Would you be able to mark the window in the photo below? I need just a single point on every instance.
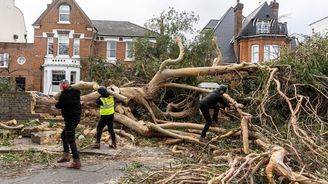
(271, 52)
(57, 76)
(64, 11)
(111, 49)
(50, 46)
(63, 44)
(129, 50)
(4, 60)
(73, 77)
(76, 51)
(255, 53)
(262, 27)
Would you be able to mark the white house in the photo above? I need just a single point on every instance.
(320, 26)
(12, 23)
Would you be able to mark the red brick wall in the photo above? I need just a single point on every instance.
(101, 50)
(30, 70)
(120, 52)
(245, 46)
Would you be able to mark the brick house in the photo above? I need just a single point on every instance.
(255, 38)
(64, 39)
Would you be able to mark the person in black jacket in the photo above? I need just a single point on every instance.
(212, 101)
(70, 104)
(107, 110)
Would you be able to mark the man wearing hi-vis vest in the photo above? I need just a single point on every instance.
(107, 109)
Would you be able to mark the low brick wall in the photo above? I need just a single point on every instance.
(16, 105)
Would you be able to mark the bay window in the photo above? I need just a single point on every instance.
(76, 47)
(57, 76)
(63, 44)
(255, 53)
(50, 46)
(271, 52)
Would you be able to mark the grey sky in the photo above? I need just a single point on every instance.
(300, 13)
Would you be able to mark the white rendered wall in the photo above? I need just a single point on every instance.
(12, 22)
(320, 27)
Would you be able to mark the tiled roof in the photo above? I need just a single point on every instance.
(121, 28)
(212, 24)
(224, 31)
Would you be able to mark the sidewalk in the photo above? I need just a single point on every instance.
(108, 171)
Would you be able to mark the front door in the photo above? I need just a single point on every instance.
(20, 83)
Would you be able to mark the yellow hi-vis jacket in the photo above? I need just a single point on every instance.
(108, 105)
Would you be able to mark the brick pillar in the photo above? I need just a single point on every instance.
(275, 7)
(238, 17)
(237, 26)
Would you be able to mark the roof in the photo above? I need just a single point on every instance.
(224, 31)
(251, 16)
(58, 2)
(212, 24)
(318, 21)
(263, 12)
(121, 28)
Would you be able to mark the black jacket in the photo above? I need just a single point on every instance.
(98, 101)
(212, 100)
(70, 104)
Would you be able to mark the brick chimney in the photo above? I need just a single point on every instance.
(275, 7)
(238, 17)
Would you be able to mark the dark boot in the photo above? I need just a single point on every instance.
(65, 158)
(113, 145)
(76, 164)
(96, 145)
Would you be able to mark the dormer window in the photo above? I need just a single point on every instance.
(263, 27)
(64, 11)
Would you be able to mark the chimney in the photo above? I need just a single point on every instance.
(238, 17)
(275, 7)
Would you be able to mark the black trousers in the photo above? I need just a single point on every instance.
(206, 113)
(106, 120)
(68, 138)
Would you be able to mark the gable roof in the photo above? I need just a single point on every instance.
(55, 3)
(224, 31)
(121, 28)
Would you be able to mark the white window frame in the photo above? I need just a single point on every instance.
(73, 79)
(66, 42)
(4, 60)
(56, 88)
(50, 43)
(76, 47)
(255, 53)
(263, 27)
(271, 52)
(109, 49)
(129, 51)
(63, 11)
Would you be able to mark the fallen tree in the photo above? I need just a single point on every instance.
(241, 168)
